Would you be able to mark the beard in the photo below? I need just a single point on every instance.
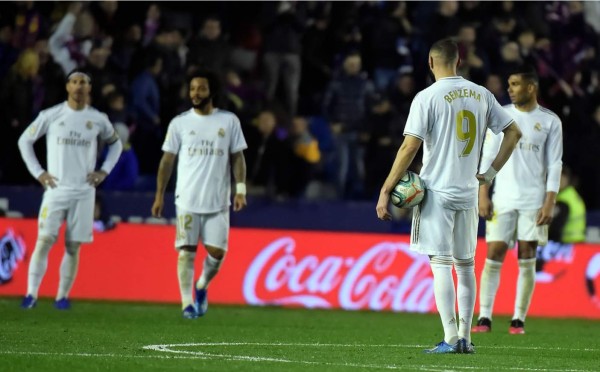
(202, 104)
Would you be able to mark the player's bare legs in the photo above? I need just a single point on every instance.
(490, 280)
(185, 274)
(525, 285)
(68, 272)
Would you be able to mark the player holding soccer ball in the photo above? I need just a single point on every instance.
(450, 117)
(209, 142)
(523, 199)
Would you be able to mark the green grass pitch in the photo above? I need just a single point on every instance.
(101, 336)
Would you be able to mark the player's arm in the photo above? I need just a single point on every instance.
(115, 148)
(553, 158)
(238, 164)
(409, 148)
(165, 170)
(491, 145)
(25, 143)
(512, 134)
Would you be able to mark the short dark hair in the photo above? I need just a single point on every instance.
(213, 83)
(527, 73)
(447, 49)
(78, 71)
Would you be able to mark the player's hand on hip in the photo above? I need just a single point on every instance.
(157, 207)
(47, 180)
(239, 202)
(486, 208)
(382, 207)
(95, 178)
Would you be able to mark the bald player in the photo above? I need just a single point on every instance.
(451, 117)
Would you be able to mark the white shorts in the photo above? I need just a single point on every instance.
(439, 231)
(509, 225)
(212, 228)
(78, 212)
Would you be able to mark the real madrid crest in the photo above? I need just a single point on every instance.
(89, 125)
(537, 127)
(221, 132)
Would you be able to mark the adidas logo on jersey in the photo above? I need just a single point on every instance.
(62, 124)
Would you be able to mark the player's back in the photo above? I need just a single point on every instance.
(456, 113)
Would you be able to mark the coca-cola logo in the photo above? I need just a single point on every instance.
(12, 251)
(386, 276)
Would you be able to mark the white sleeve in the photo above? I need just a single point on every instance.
(112, 157)
(497, 119)
(238, 142)
(417, 123)
(172, 140)
(34, 131)
(491, 146)
(553, 156)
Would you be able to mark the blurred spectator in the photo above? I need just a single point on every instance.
(116, 110)
(70, 43)
(444, 23)
(587, 164)
(18, 97)
(568, 222)
(304, 159)
(29, 25)
(510, 59)
(125, 173)
(151, 23)
(108, 18)
(317, 58)
(144, 102)
(102, 78)
(244, 99)
(210, 50)
(282, 48)
(401, 95)
(474, 61)
(494, 84)
(266, 157)
(8, 53)
(49, 86)
(389, 43)
(123, 51)
(346, 103)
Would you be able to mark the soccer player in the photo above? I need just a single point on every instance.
(209, 142)
(450, 117)
(523, 199)
(72, 129)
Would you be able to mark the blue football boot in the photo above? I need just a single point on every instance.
(28, 302)
(465, 347)
(62, 304)
(190, 312)
(201, 301)
(442, 348)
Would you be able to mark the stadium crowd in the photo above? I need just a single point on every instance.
(322, 88)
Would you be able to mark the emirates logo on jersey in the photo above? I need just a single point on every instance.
(537, 127)
(221, 132)
(89, 125)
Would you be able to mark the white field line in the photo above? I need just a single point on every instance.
(185, 354)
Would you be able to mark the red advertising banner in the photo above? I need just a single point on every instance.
(293, 268)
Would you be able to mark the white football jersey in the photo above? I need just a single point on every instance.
(451, 117)
(72, 142)
(204, 144)
(534, 167)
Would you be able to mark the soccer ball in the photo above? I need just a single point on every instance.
(408, 192)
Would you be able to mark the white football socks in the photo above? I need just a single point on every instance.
(525, 287)
(185, 273)
(445, 296)
(210, 268)
(68, 270)
(38, 264)
(490, 280)
(466, 294)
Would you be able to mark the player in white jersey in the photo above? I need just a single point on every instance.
(210, 143)
(450, 117)
(523, 199)
(72, 129)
